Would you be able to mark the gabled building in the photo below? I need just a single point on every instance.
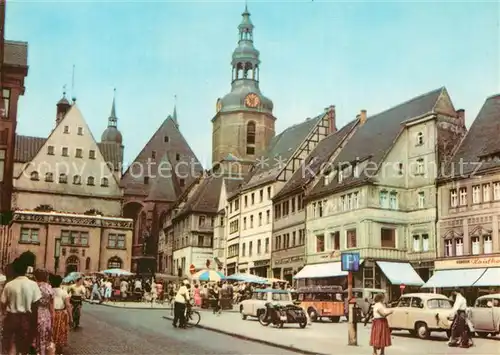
(161, 172)
(469, 207)
(378, 196)
(289, 227)
(250, 211)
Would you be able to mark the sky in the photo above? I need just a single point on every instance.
(354, 55)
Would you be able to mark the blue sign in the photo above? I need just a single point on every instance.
(350, 261)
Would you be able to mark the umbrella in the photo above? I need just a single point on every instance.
(117, 272)
(208, 275)
(247, 278)
(273, 280)
(72, 277)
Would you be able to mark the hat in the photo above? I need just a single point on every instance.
(185, 282)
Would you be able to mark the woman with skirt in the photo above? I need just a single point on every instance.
(45, 312)
(62, 315)
(381, 334)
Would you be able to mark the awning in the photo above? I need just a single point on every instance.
(331, 269)
(491, 277)
(454, 278)
(400, 273)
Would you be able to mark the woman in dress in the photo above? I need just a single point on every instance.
(62, 315)
(45, 312)
(381, 334)
(197, 296)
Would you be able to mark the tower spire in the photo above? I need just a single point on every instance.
(73, 98)
(245, 57)
(112, 120)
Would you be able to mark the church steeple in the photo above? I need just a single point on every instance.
(245, 57)
(113, 120)
(63, 107)
(112, 134)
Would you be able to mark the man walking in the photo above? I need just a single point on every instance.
(459, 329)
(181, 298)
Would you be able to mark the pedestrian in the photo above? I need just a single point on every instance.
(197, 296)
(19, 302)
(459, 329)
(45, 312)
(181, 298)
(95, 291)
(62, 315)
(381, 334)
(108, 290)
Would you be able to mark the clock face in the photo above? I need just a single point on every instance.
(252, 100)
(219, 105)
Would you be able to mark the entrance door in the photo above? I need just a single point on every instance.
(72, 264)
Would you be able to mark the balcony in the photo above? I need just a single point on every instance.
(421, 256)
(204, 227)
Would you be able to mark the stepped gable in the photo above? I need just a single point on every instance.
(205, 198)
(164, 187)
(281, 150)
(375, 138)
(169, 141)
(28, 146)
(318, 156)
(481, 145)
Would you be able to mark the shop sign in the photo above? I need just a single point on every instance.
(260, 263)
(293, 259)
(468, 263)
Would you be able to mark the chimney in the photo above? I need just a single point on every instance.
(461, 116)
(332, 125)
(362, 117)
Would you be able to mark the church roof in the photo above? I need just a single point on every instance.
(28, 146)
(166, 141)
(205, 198)
(164, 187)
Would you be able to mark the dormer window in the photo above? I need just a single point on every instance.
(66, 129)
(90, 181)
(34, 176)
(165, 139)
(420, 138)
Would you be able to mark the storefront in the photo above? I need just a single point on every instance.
(261, 267)
(475, 275)
(231, 269)
(285, 268)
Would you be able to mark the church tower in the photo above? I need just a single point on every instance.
(244, 123)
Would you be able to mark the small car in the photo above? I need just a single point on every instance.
(421, 314)
(256, 305)
(485, 315)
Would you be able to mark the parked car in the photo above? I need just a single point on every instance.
(421, 314)
(485, 315)
(256, 305)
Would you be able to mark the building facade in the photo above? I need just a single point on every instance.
(379, 197)
(469, 207)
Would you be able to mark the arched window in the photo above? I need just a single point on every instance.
(77, 179)
(87, 263)
(72, 264)
(49, 177)
(115, 263)
(104, 182)
(251, 137)
(34, 175)
(63, 178)
(90, 181)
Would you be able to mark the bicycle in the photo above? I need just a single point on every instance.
(193, 317)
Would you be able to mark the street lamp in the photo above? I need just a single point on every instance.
(57, 254)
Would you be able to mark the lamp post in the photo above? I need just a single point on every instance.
(57, 254)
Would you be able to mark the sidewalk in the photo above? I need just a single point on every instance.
(148, 305)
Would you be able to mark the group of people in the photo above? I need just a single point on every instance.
(37, 312)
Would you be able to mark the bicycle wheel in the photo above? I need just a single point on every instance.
(193, 319)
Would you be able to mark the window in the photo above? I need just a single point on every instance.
(269, 193)
(351, 238)
(286, 208)
(260, 218)
(302, 236)
(251, 221)
(453, 198)
(294, 238)
(177, 157)
(487, 244)
(400, 169)
(63, 178)
(388, 238)
(268, 216)
(404, 302)
(64, 151)
(292, 201)
(165, 139)
(91, 154)
(80, 131)
(320, 208)
(6, 103)
(233, 226)
(116, 241)
(243, 249)
(250, 248)
(277, 242)
(29, 235)
(459, 247)
(115, 263)
(416, 302)
(2, 163)
(486, 193)
(266, 248)
(393, 200)
(476, 194)
(77, 180)
(237, 204)
(420, 138)
(448, 247)
(421, 199)
(201, 221)
(251, 133)
(384, 202)
(90, 181)
(300, 202)
(244, 223)
(420, 166)
(355, 200)
(416, 243)
(34, 176)
(250, 150)
(50, 150)
(320, 243)
(343, 203)
(182, 182)
(476, 246)
(66, 129)
(74, 238)
(463, 196)
(496, 191)
(146, 180)
(261, 195)
(252, 198)
(425, 242)
(335, 240)
(259, 247)
(104, 182)
(78, 153)
(153, 154)
(439, 303)
(49, 177)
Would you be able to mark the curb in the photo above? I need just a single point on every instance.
(255, 340)
(121, 307)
